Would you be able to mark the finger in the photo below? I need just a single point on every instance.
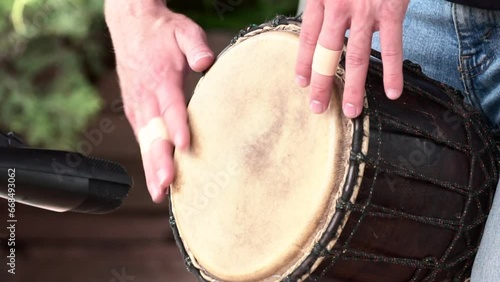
(163, 165)
(173, 109)
(325, 59)
(357, 60)
(311, 26)
(155, 148)
(391, 40)
(159, 155)
(192, 41)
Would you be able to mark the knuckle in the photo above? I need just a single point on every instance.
(341, 9)
(156, 70)
(392, 52)
(152, 78)
(356, 59)
(197, 48)
(319, 89)
(196, 29)
(392, 77)
(393, 11)
(148, 85)
(304, 64)
(187, 27)
(364, 34)
(140, 95)
(354, 94)
(308, 39)
(168, 105)
(328, 29)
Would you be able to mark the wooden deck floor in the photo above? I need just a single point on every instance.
(132, 244)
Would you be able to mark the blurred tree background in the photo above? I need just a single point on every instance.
(53, 52)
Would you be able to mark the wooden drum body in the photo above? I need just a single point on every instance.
(271, 192)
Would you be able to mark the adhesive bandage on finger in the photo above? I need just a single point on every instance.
(154, 130)
(325, 61)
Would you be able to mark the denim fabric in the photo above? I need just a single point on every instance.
(457, 45)
(460, 46)
(486, 266)
(302, 6)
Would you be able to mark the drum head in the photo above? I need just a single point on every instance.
(259, 184)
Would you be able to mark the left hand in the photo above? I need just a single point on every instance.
(155, 48)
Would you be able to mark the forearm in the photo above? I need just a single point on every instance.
(119, 10)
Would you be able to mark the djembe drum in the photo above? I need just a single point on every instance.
(271, 192)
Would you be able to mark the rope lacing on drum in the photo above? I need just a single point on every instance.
(279, 20)
(359, 157)
(462, 227)
(344, 205)
(188, 262)
(171, 221)
(320, 250)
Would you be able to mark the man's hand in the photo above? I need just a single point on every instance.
(325, 22)
(154, 50)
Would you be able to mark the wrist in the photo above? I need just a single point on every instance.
(116, 10)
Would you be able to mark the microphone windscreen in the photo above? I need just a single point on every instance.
(109, 186)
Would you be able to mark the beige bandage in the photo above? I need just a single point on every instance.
(325, 61)
(154, 130)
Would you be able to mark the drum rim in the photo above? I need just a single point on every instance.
(348, 188)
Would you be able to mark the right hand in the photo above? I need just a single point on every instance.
(154, 49)
(325, 23)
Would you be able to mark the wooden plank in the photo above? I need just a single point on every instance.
(151, 262)
(78, 247)
(35, 225)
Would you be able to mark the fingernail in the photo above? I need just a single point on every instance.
(392, 94)
(178, 141)
(162, 177)
(153, 189)
(317, 107)
(301, 81)
(350, 110)
(202, 55)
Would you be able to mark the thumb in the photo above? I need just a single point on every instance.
(192, 41)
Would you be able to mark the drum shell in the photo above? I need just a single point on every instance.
(428, 183)
(427, 188)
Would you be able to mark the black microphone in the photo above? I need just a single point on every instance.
(58, 180)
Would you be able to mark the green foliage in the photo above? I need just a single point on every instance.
(51, 51)
(47, 57)
(233, 14)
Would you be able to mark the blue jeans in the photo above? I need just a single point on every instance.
(460, 46)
